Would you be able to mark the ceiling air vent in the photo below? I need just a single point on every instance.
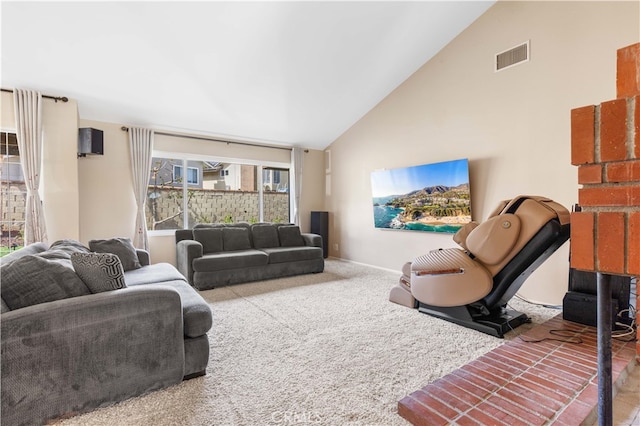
(515, 55)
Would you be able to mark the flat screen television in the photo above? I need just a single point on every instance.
(431, 197)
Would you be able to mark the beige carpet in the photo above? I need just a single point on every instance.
(322, 349)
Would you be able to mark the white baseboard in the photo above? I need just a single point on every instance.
(366, 264)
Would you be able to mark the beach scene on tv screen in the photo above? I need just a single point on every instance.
(431, 197)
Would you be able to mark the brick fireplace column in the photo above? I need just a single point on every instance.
(605, 145)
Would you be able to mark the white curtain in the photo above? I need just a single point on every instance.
(141, 148)
(28, 112)
(297, 160)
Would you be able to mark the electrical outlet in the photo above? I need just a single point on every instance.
(336, 247)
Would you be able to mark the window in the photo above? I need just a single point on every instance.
(192, 175)
(275, 179)
(164, 196)
(14, 195)
(276, 191)
(214, 191)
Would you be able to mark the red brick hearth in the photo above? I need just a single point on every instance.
(523, 383)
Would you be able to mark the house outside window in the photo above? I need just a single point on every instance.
(14, 195)
(192, 175)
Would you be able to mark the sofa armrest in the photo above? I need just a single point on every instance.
(76, 354)
(186, 251)
(313, 240)
(143, 257)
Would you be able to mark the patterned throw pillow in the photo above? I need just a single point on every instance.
(99, 271)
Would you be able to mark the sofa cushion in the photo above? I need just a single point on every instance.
(3, 306)
(69, 246)
(290, 236)
(99, 271)
(34, 248)
(210, 238)
(33, 279)
(62, 250)
(184, 234)
(264, 236)
(292, 254)
(208, 225)
(235, 238)
(196, 313)
(121, 247)
(230, 260)
(152, 274)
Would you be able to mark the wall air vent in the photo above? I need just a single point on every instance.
(514, 56)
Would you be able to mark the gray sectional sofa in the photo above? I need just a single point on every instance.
(75, 350)
(214, 255)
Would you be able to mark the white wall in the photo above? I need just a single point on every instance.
(513, 126)
(59, 181)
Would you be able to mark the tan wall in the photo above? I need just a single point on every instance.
(312, 192)
(107, 202)
(513, 126)
(59, 184)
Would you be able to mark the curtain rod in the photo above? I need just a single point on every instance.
(55, 98)
(202, 138)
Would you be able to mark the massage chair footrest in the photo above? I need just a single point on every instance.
(496, 323)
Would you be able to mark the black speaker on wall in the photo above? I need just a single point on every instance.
(90, 141)
(320, 226)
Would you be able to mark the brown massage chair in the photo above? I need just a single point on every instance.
(471, 285)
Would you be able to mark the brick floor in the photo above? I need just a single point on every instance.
(522, 382)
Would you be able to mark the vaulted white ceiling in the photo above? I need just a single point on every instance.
(291, 73)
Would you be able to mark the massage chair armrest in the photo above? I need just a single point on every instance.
(439, 271)
(186, 252)
(448, 277)
(56, 356)
(312, 240)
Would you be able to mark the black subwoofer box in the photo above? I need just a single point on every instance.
(580, 304)
(320, 226)
(583, 308)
